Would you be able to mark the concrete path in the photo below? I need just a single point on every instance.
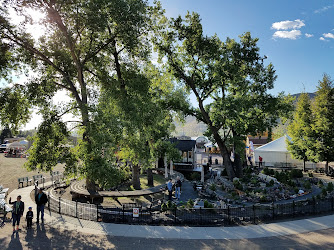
(174, 232)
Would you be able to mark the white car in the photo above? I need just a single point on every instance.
(3, 148)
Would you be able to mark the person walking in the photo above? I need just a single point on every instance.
(178, 186)
(260, 161)
(41, 199)
(29, 216)
(18, 209)
(170, 189)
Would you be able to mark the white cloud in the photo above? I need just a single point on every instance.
(323, 9)
(292, 34)
(328, 35)
(308, 35)
(322, 39)
(286, 25)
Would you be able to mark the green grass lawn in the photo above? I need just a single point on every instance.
(157, 180)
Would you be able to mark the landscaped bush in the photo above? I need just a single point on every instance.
(296, 173)
(271, 183)
(254, 181)
(248, 170)
(164, 207)
(310, 175)
(190, 203)
(307, 185)
(268, 171)
(213, 187)
(207, 204)
(324, 191)
(330, 187)
(263, 198)
(195, 176)
(282, 177)
(320, 183)
(238, 185)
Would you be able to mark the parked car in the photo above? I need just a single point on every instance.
(3, 148)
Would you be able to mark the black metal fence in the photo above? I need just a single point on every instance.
(189, 216)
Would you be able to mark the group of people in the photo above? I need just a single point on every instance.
(18, 209)
(177, 186)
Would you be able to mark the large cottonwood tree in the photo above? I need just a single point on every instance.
(87, 45)
(229, 80)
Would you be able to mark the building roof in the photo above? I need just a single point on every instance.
(183, 145)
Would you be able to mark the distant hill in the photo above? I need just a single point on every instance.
(190, 128)
(311, 95)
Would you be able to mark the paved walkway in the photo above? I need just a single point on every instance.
(177, 232)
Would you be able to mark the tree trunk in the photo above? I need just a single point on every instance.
(238, 165)
(90, 185)
(135, 177)
(326, 167)
(150, 177)
(304, 165)
(227, 160)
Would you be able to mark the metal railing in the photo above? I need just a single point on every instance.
(230, 215)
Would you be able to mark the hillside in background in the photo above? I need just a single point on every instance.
(189, 128)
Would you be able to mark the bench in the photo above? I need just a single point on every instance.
(55, 177)
(4, 209)
(4, 191)
(38, 178)
(22, 180)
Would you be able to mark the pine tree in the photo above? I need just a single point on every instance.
(323, 126)
(300, 129)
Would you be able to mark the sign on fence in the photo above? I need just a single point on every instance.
(135, 212)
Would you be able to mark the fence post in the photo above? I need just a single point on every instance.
(76, 209)
(97, 212)
(49, 200)
(228, 215)
(59, 205)
(254, 219)
(332, 202)
(175, 214)
(313, 205)
(293, 208)
(151, 214)
(123, 214)
(273, 210)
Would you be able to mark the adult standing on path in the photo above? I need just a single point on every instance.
(178, 188)
(41, 199)
(18, 209)
(260, 161)
(170, 189)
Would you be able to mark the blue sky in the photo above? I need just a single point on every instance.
(297, 36)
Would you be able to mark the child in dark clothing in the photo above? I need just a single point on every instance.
(29, 217)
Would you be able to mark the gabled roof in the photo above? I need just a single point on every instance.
(183, 145)
(279, 145)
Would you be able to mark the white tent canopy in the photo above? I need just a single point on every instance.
(24, 142)
(16, 145)
(276, 153)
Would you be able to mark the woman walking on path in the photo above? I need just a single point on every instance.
(18, 209)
